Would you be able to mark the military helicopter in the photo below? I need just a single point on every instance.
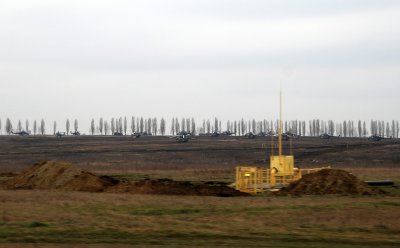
(215, 134)
(117, 134)
(140, 134)
(375, 138)
(264, 134)
(286, 136)
(291, 135)
(75, 133)
(184, 133)
(60, 134)
(182, 138)
(227, 133)
(250, 135)
(327, 136)
(22, 133)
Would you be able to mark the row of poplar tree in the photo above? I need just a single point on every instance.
(123, 125)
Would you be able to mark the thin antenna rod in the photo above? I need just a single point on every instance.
(280, 123)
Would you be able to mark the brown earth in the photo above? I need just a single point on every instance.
(329, 181)
(56, 175)
(122, 154)
(63, 176)
(170, 187)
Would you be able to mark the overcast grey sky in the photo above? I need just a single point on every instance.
(82, 59)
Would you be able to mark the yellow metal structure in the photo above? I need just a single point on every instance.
(255, 179)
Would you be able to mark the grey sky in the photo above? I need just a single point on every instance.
(83, 59)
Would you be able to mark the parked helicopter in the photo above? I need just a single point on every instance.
(22, 133)
(184, 133)
(375, 138)
(60, 134)
(227, 133)
(250, 135)
(182, 138)
(291, 135)
(75, 133)
(327, 136)
(140, 134)
(215, 134)
(264, 134)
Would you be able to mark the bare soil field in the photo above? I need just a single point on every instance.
(215, 158)
(52, 218)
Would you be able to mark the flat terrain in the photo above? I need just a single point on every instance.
(78, 219)
(74, 217)
(215, 158)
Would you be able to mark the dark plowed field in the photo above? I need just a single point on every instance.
(97, 153)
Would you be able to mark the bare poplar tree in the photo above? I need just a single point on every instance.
(364, 132)
(133, 128)
(19, 127)
(101, 125)
(67, 126)
(188, 125)
(359, 128)
(125, 125)
(173, 126)
(92, 127)
(387, 130)
(216, 124)
(154, 126)
(116, 125)
(149, 125)
(393, 131)
(76, 125)
(177, 128)
(193, 127)
(27, 126)
(141, 125)
(106, 127)
(120, 125)
(0, 128)
(344, 129)
(112, 126)
(162, 126)
(9, 127)
(208, 126)
(42, 127)
(34, 127)
(54, 127)
(183, 125)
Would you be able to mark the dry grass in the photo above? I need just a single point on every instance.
(75, 217)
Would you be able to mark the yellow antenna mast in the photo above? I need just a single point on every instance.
(280, 123)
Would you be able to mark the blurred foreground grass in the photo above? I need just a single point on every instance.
(146, 220)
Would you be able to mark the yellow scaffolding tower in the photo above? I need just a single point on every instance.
(255, 179)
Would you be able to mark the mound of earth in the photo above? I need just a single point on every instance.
(170, 187)
(329, 181)
(61, 176)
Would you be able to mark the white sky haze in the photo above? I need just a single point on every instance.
(181, 58)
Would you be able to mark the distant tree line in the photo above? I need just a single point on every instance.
(124, 125)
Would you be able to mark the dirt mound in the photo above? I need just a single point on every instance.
(56, 175)
(63, 176)
(170, 187)
(8, 174)
(329, 181)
